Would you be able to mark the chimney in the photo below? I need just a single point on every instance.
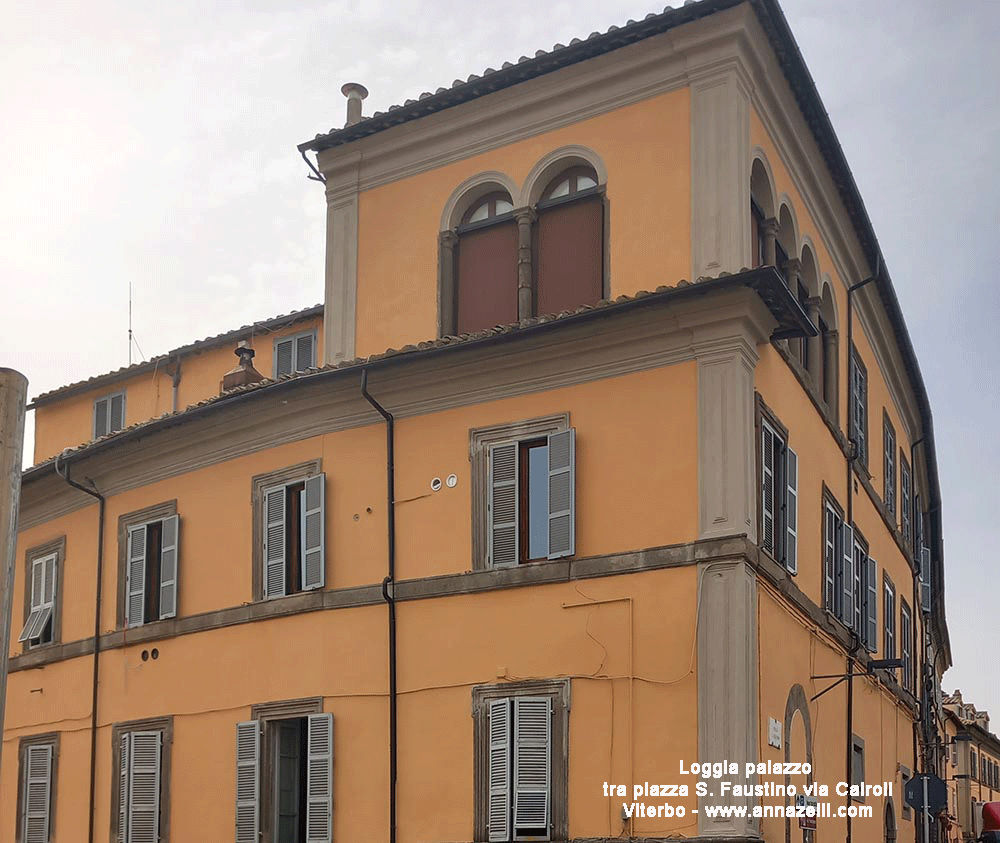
(244, 373)
(354, 92)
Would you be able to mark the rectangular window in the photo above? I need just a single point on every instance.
(294, 354)
(972, 765)
(868, 630)
(889, 465)
(758, 237)
(889, 623)
(36, 788)
(905, 774)
(833, 560)
(290, 531)
(521, 732)
(925, 579)
(778, 496)
(109, 414)
(140, 789)
(857, 765)
(905, 491)
(906, 644)
(41, 588)
(530, 504)
(148, 557)
(859, 406)
(284, 774)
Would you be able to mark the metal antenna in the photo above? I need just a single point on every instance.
(130, 323)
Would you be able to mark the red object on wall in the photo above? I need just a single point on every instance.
(991, 816)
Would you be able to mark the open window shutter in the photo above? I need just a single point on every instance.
(562, 494)
(124, 765)
(319, 807)
(100, 418)
(532, 751)
(791, 510)
(135, 601)
(169, 545)
(304, 352)
(116, 415)
(858, 568)
(767, 489)
(925, 579)
(871, 605)
(284, 354)
(274, 542)
(37, 794)
(144, 788)
(247, 781)
(501, 508)
(830, 560)
(314, 533)
(50, 579)
(32, 626)
(499, 770)
(847, 563)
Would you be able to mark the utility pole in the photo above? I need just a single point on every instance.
(13, 397)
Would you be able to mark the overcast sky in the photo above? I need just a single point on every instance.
(153, 144)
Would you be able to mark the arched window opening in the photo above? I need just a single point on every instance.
(486, 265)
(757, 235)
(569, 242)
(761, 210)
(809, 349)
(890, 823)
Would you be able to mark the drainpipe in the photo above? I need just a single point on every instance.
(851, 457)
(64, 474)
(388, 590)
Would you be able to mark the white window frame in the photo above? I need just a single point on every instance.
(297, 365)
(43, 585)
(108, 401)
(889, 620)
(907, 631)
(859, 406)
(123, 805)
(37, 762)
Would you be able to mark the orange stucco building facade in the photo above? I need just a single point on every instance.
(418, 573)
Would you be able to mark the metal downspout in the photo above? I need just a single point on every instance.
(97, 637)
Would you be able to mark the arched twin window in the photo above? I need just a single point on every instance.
(500, 265)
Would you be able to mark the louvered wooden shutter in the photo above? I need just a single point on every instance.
(304, 352)
(37, 794)
(169, 547)
(767, 489)
(144, 788)
(135, 599)
(858, 569)
(39, 612)
(124, 759)
(830, 560)
(847, 581)
(791, 510)
(319, 805)
(247, 781)
(925, 579)
(100, 418)
(274, 542)
(314, 533)
(562, 493)
(501, 508)
(871, 605)
(532, 751)
(498, 809)
(284, 357)
(116, 414)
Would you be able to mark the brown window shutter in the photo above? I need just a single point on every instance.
(570, 255)
(487, 277)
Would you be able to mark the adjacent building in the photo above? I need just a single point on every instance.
(608, 453)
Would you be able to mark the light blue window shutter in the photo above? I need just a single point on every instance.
(319, 805)
(305, 347)
(791, 510)
(925, 579)
(100, 418)
(767, 489)
(247, 781)
(499, 770)
(562, 494)
(871, 605)
(37, 794)
(144, 788)
(532, 752)
(284, 357)
(314, 532)
(847, 564)
(124, 765)
(116, 413)
(169, 546)
(135, 598)
(501, 508)
(274, 541)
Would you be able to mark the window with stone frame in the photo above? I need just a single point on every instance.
(140, 787)
(43, 574)
(38, 757)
